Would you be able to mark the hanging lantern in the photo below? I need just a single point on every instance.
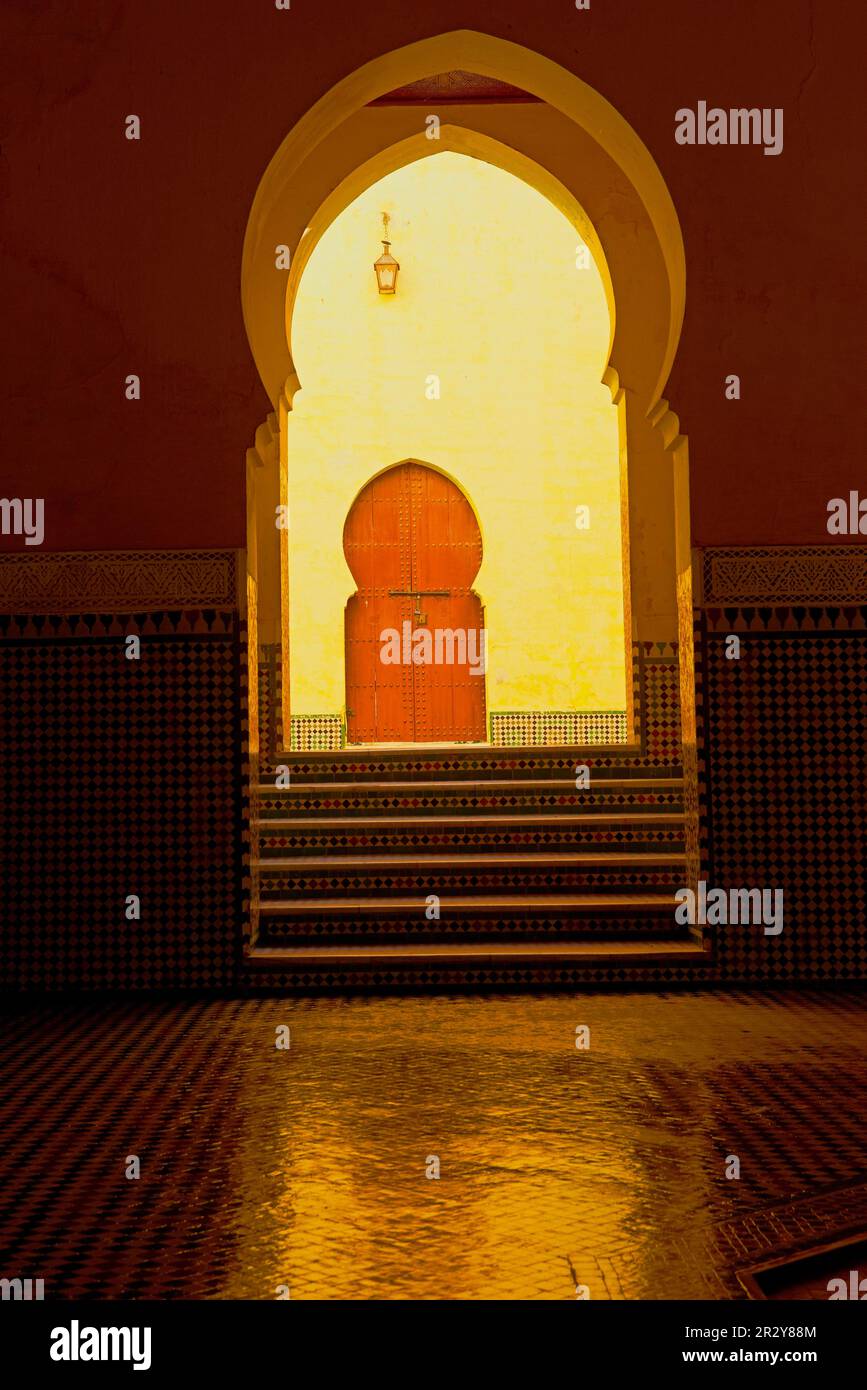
(386, 266)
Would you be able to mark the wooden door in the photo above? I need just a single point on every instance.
(414, 548)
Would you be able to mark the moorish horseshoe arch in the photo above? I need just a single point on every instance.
(573, 140)
(408, 568)
(484, 148)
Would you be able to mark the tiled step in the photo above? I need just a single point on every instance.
(525, 866)
(541, 797)
(495, 954)
(529, 872)
(500, 916)
(469, 762)
(480, 833)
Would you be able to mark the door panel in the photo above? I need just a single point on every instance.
(377, 545)
(379, 697)
(411, 530)
(449, 700)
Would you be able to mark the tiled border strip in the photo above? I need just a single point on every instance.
(117, 581)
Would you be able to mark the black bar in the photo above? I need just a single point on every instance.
(243, 1338)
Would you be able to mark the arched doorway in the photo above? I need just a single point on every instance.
(581, 154)
(415, 637)
(576, 149)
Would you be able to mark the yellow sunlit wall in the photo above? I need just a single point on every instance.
(496, 311)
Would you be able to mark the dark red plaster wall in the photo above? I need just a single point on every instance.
(125, 257)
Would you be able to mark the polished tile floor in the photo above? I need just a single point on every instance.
(307, 1167)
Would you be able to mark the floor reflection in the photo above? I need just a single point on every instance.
(307, 1167)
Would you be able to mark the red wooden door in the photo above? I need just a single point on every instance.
(413, 545)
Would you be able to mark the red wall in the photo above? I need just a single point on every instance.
(125, 257)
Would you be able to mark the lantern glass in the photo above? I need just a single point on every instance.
(386, 271)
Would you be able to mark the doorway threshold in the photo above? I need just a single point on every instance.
(409, 747)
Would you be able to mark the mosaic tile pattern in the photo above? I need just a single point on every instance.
(96, 790)
(508, 730)
(512, 867)
(696, 782)
(529, 928)
(656, 693)
(430, 834)
(658, 708)
(785, 798)
(419, 798)
(530, 727)
(317, 732)
(120, 778)
(471, 763)
(251, 771)
(307, 1167)
(270, 700)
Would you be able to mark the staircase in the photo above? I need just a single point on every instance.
(465, 854)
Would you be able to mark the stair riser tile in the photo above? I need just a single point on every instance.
(309, 931)
(478, 767)
(615, 839)
(282, 885)
(433, 804)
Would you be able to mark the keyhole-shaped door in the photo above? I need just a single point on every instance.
(414, 547)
